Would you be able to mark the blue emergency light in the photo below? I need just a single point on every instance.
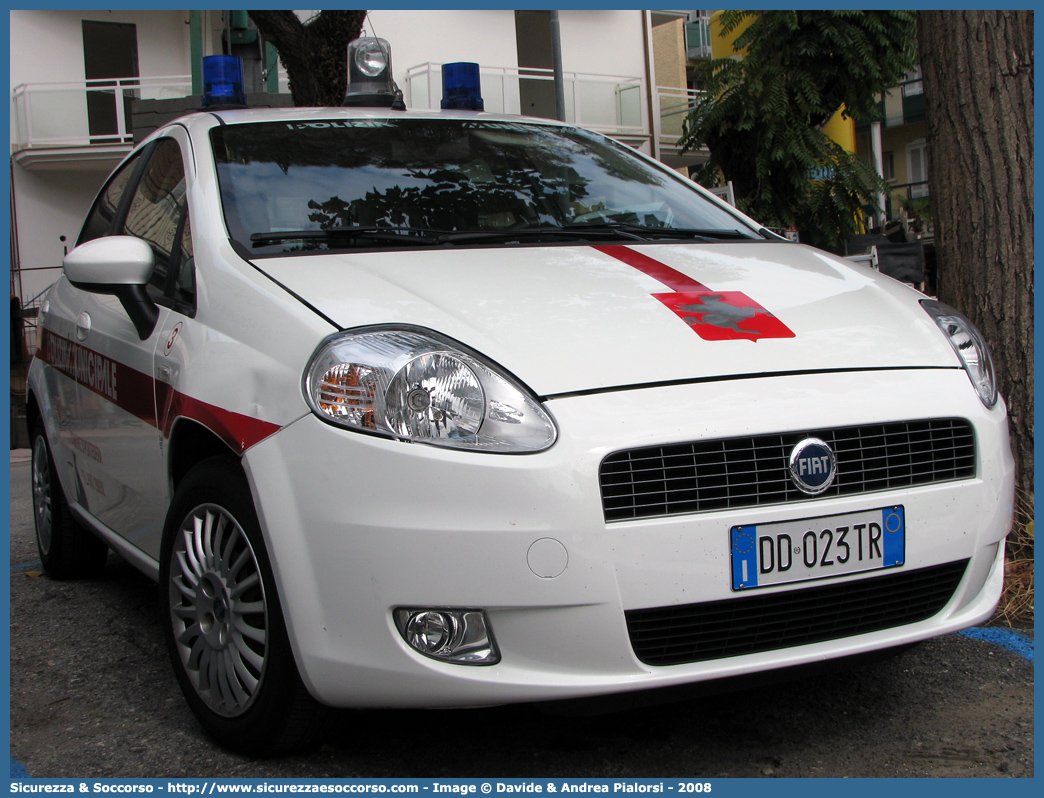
(223, 81)
(461, 88)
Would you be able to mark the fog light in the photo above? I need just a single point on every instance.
(463, 637)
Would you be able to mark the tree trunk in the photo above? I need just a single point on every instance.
(978, 84)
(315, 55)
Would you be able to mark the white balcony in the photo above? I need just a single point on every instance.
(610, 104)
(83, 122)
(87, 123)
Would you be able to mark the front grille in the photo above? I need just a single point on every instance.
(749, 624)
(753, 471)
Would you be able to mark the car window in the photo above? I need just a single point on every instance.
(185, 279)
(444, 176)
(100, 219)
(157, 207)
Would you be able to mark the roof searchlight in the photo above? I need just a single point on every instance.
(370, 80)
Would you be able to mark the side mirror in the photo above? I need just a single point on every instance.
(121, 266)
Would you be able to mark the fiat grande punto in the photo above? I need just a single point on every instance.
(453, 409)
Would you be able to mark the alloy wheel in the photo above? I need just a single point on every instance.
(42, 495)
(218, 610)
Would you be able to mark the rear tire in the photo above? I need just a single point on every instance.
(222, 619)
(67, 550)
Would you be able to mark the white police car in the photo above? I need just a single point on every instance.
(448, 409)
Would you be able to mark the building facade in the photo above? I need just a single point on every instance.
(895, 143)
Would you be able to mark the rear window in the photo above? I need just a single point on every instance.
(303, 186)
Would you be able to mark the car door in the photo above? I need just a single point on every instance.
(70, 409)
(125, 481)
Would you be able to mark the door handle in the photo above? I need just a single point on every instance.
(83, 326)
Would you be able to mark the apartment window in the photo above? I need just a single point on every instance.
(534, 52)
(917, 168)
(888, 165)
(912, 83)
(110, 50)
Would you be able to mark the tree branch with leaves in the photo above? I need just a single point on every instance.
(762, 114)
(314, 53)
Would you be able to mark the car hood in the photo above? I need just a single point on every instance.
(583, 318)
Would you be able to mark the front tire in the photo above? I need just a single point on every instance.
(67, 550)
(222, 620)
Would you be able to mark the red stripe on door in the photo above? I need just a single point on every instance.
(238, 431)
(140, 394)
(713, 315)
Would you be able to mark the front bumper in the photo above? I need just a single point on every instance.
(359, 525)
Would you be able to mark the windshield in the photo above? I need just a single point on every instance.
(301, 186)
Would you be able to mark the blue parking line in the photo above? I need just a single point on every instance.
(1005, 638)
(18, 770)
(34, 565)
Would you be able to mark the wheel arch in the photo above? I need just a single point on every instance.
(190, 444)
(32, 409)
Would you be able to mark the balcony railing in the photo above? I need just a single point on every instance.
(84, 113)
(96, 113)
(910, 191)
(675, 105)
(610, 104)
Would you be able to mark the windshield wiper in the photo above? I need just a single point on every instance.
(595, 230)
(530, 233)
(646, 232)
(397, 235)
(425, 237)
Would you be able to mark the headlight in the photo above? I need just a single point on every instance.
(970, 347)
(416, 385)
